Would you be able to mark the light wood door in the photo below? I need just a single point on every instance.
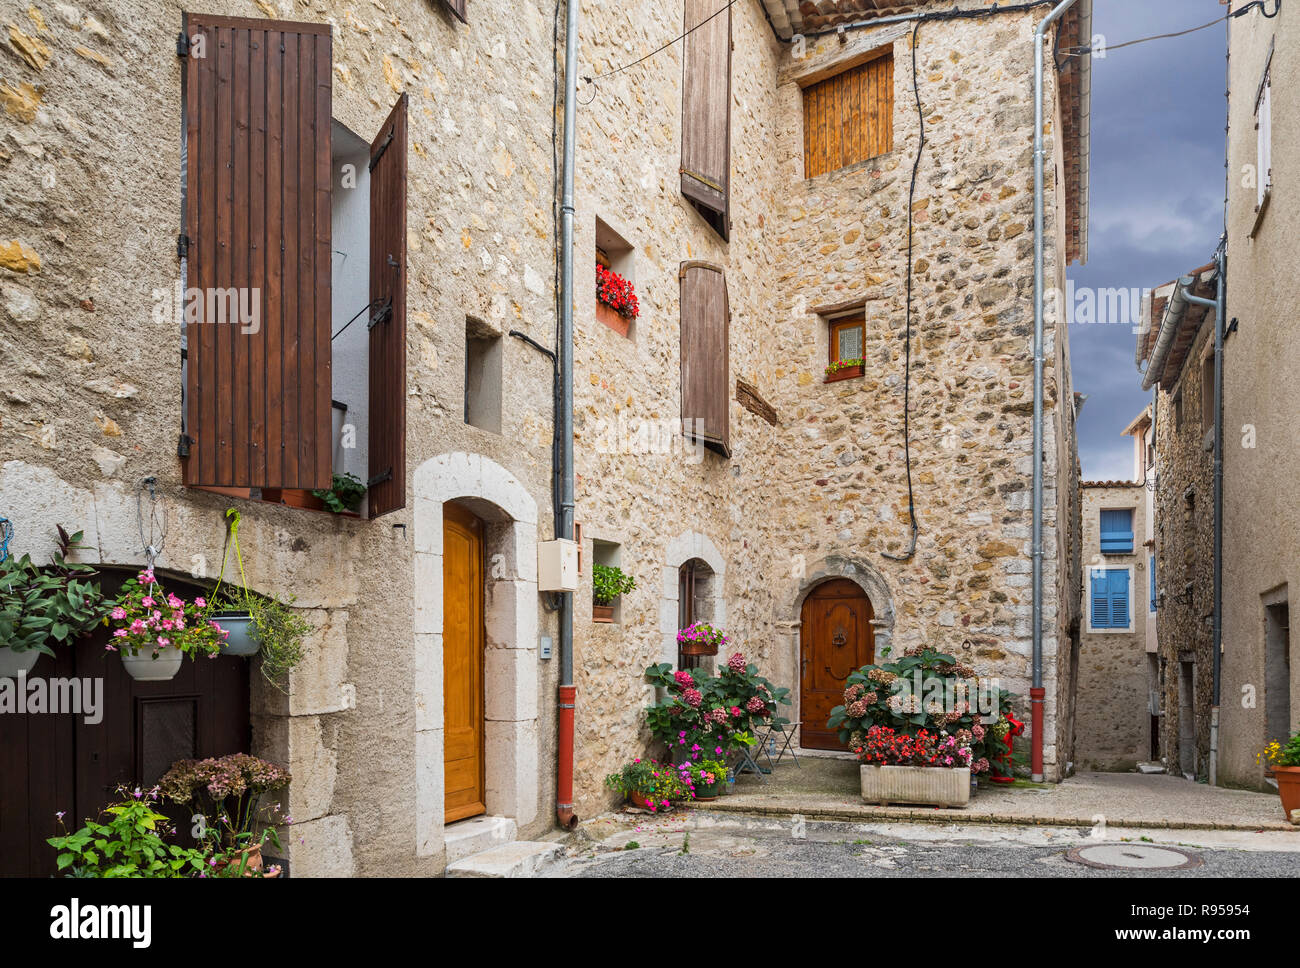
(835, 639)
(462, 650)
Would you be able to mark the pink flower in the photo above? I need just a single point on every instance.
(119, 613)
(735, 711)
(692, 697)
(120, 634)
(736, 663)
(201, 603)
(147, 601)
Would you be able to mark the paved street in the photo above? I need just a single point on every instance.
(703, 844)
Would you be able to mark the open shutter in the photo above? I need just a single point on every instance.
(1117, 532)
(458, 8)
(705, 363)
(257, 237)
(1152, 569)
(706, 111)
(1119, 599)
(388, 315)
(1100, 599)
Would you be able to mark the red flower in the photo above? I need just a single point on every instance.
(616, 292)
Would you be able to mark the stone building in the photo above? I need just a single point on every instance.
(1261, 514)
(759, 266)
(1117, 675)
(1176, 346)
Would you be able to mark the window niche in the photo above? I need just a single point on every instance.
(482, 376)
(610, 555)
(616, 255)
(845, 345)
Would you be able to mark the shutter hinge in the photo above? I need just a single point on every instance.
(182, 246)
(183, 445)
(182, 45)
(382, 315)
(380, 478)
(383, 146)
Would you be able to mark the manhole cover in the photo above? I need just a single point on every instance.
(1114, 857)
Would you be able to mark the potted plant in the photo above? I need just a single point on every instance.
(708, 778)
(845, 369)
(649, 785)
(128, 842)
(701, 638)
(616, 302)
(926, 767)
(227, 792)
(344, 495)
(39, 606)
(608, 582)
(1284, 764)
(156, 629)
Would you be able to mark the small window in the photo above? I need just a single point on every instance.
(849, 117)
(617, 302)
(1151, 565)
(1207, 394)
(1178, 410)
(1264, 139)
(482, 376)
(1117, 531)
(607, 554)
(846, 347)
(1108, 608)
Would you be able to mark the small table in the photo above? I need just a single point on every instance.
(786, 732)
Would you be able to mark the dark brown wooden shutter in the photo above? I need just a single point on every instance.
(705, 356)
(706, 112)
(458, 8)
(256, 105)
(388, 302)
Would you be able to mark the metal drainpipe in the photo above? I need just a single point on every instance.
(1037, 693)
(568, 694)
(1219, 304)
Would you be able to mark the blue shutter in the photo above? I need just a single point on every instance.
(1152, 569)
(1117, 532)
(1100, 599)
(1119, 598)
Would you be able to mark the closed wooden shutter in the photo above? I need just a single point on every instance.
(849, 117)
(458, 8)
(1100, 587)
(388, 299)
(706, 111)
(256, 103)
(705, 363)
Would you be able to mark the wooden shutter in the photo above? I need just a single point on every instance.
(849, 117)
(1119, 596)
(1100, 588)
(706, 112)
(705, 362)
(388, 299)
(256, 105)
(1116, 531)
(458, 8)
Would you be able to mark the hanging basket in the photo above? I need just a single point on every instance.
(143, 667)
(14, 664)
(241, 633)
(698, 648)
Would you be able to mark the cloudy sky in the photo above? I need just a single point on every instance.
(1158, 116)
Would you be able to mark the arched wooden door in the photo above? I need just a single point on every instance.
(836, 637)
(63, 762)
(462, 650)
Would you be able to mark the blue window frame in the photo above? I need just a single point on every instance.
(1117, 531)
(1152, 569)
(1109, 608)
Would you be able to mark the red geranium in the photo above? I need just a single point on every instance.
(616, 292)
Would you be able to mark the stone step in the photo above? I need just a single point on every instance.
(522, 858)
(470, 837)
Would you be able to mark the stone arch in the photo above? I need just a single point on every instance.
(688, 545)
(510, 680)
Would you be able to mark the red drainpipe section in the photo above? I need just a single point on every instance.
(1036, 724)
(564, 780)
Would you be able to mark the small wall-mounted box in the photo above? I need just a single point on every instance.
(557, 566)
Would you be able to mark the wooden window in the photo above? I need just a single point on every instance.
(1207, 393)
(706, 112)
(849, 117)
(458, 8)
(256, 249)
(847, 338)
(705, 365)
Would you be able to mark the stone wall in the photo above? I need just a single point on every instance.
(1113, 722)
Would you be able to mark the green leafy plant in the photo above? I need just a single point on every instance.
(345, 493)
(56, 604)
(660, 784)
(840, 365)
(129, 842)
(608, 582)
(228, 790)
(1277, 754)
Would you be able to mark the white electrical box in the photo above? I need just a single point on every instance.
(557, 566)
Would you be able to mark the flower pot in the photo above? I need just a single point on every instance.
(242, 637)
(612, 318)
(640, 800)
(1288, 788)
(253, 865)
(709, 791)
(143, 667)
(848, 373)
(14, 664)
(697, 648)
(930, 785)
(602, 613)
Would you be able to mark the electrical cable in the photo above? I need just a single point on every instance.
(1261, 5)
(661, 49)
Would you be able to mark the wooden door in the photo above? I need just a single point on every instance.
(836, 638)
(462, 645)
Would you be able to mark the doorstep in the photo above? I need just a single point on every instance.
(469, 837)
(522, 858)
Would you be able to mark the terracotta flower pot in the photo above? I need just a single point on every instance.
(638, 799)
(254, 864)
(698, 648)
(848, 373)
(1288, 788)
(612, 318)
(602, 613)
